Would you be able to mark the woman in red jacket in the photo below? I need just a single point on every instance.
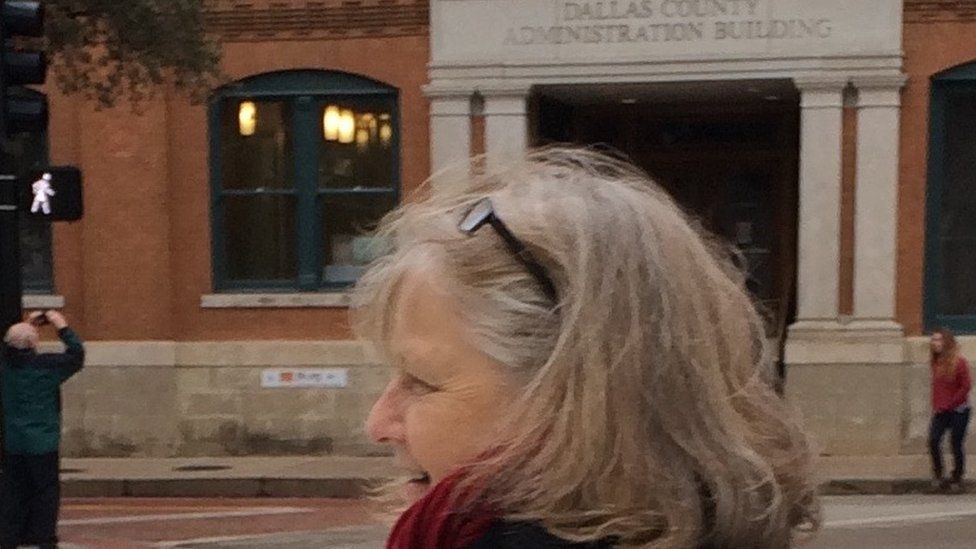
(950, 406)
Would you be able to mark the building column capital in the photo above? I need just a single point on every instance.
(450, 126)
(453, 105)
(880, 81)
(821, 82)
(507, 102)
(879, 91)
(821, 92)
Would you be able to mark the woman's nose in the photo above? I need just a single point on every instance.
(385, 421)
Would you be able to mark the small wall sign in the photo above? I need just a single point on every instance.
(301, 378)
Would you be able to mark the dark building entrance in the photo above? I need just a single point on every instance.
(727, 152)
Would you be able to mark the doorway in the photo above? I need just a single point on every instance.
(726, 151)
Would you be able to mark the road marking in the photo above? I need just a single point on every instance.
(157, 508)
(919, 517)
(184, 516)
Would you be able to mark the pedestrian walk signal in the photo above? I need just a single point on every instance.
(53, 194)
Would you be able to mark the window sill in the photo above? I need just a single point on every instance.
(328, 300)
(42, 301)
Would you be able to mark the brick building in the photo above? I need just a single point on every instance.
(827, 139)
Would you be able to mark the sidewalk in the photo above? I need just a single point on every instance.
(347, 477)
(328, 477)
(881, 475)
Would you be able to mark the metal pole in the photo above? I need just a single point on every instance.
(10, 275)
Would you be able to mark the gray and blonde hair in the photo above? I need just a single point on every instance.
(646, 410)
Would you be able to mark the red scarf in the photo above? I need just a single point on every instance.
(432, 523)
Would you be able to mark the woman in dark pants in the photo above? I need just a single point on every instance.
(950, 407)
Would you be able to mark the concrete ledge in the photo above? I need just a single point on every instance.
(352, 477)
(92, 488)
(190, 488)
(350, 488)
(333, 300)
(337, 488)
(296, 476)
(882, 487)
(42, 301)
(353, 488)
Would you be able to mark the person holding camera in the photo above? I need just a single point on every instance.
(30, 391)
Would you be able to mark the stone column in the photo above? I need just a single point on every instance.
(506, 123)
(846, 376)
(876, 199)
(450, 129)
(821, 128)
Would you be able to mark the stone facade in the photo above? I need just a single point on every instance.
(174, 368)
(169, 399)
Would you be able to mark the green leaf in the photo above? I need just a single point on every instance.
(107, 50)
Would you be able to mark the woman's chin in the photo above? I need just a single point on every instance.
(415, 489)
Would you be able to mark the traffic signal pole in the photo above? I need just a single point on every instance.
(17, 68)
(10, 272)
(17, 114)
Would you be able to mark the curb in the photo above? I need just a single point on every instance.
(883, 487)
(352, 488)
(336, 488)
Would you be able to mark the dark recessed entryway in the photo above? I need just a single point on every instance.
(727, 151)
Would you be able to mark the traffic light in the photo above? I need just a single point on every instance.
(19, 67)
(53, 194)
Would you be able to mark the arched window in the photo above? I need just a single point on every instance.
(303, 164)
(950, 272)
(21, 154)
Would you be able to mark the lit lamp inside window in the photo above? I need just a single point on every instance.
(362, 138)
(362, 131)
(347, 126)
(247, 116)
(369, 123)
(386, 129)
(331, 122)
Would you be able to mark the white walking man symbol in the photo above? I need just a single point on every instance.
(42, 193)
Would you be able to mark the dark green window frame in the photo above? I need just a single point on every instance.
(305, 91)
(948, 85)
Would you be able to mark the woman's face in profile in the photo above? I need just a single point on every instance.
(935, 343)
(439, 410)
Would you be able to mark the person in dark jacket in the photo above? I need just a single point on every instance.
(30, 391)
(575, 366)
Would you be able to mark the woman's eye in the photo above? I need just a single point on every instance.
(416, 386)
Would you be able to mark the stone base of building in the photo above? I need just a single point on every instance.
(863, 390)
(164, 399)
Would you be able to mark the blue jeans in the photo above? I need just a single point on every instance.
(956, 422)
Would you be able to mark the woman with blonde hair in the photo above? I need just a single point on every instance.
(950, 407)
(576, 364)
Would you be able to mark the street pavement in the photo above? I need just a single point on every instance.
(883, 522)
(863, 522)
(116, 523)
